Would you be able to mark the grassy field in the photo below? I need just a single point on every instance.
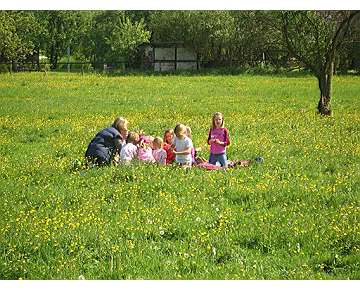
(294, 216)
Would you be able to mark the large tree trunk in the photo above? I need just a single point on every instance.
(53, 58)
(325, 79)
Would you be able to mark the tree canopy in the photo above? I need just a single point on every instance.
(237, 38)
(314, 37)
(18, 32)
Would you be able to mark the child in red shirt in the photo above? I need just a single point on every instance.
(168, 145)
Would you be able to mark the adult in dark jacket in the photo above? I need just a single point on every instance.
(107, 143)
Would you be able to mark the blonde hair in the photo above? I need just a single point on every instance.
(188, 131)
(120, 123)
(217, 114)
(132, 136)
(158, 141)
(180, 130)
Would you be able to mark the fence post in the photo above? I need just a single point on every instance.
(175, 57)
(263, 60)
(197, 61)
(68, 59)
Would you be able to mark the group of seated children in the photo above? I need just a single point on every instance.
(155, 150)
(143, 148)
(179, 148)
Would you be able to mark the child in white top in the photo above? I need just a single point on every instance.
(129, 151)
(158, 152)
(183, 146)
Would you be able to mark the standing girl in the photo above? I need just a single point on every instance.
(218, 139)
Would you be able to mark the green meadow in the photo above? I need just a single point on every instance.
(294, 216)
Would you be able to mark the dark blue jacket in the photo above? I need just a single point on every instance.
(104, 145)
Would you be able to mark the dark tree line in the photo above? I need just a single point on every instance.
(90, 35)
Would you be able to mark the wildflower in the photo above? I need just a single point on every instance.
(214, 251)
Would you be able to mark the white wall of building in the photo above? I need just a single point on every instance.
(168, 53)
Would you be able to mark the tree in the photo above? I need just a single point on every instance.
(8, 36)
(17, 34)
(81, 42)
(209, 33)
(168, 26)
(254, 36)
(116, 36)
(61, 31)
(314, 38)
(349, 55)
(127, 36)
(212, 33)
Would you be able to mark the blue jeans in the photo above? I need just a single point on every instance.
(221, 158)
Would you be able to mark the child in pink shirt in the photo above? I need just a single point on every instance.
(145, 149)
(218, 139)
(158, 152)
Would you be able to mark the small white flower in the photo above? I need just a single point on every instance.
(217, 209)
(214, 251)
(162, 233)
(198, 219)
(81, 277)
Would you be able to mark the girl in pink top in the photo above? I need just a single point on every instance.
(158, 152)
(145, 149)
(218, 139)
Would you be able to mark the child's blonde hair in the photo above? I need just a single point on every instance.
(188, 132)
(158, 141)
(180, 130)
(217, 114)
(132, 137)
(120, 123)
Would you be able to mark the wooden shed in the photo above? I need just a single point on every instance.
(169, 56)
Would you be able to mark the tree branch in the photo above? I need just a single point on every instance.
(291, 46)
(341, 33)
